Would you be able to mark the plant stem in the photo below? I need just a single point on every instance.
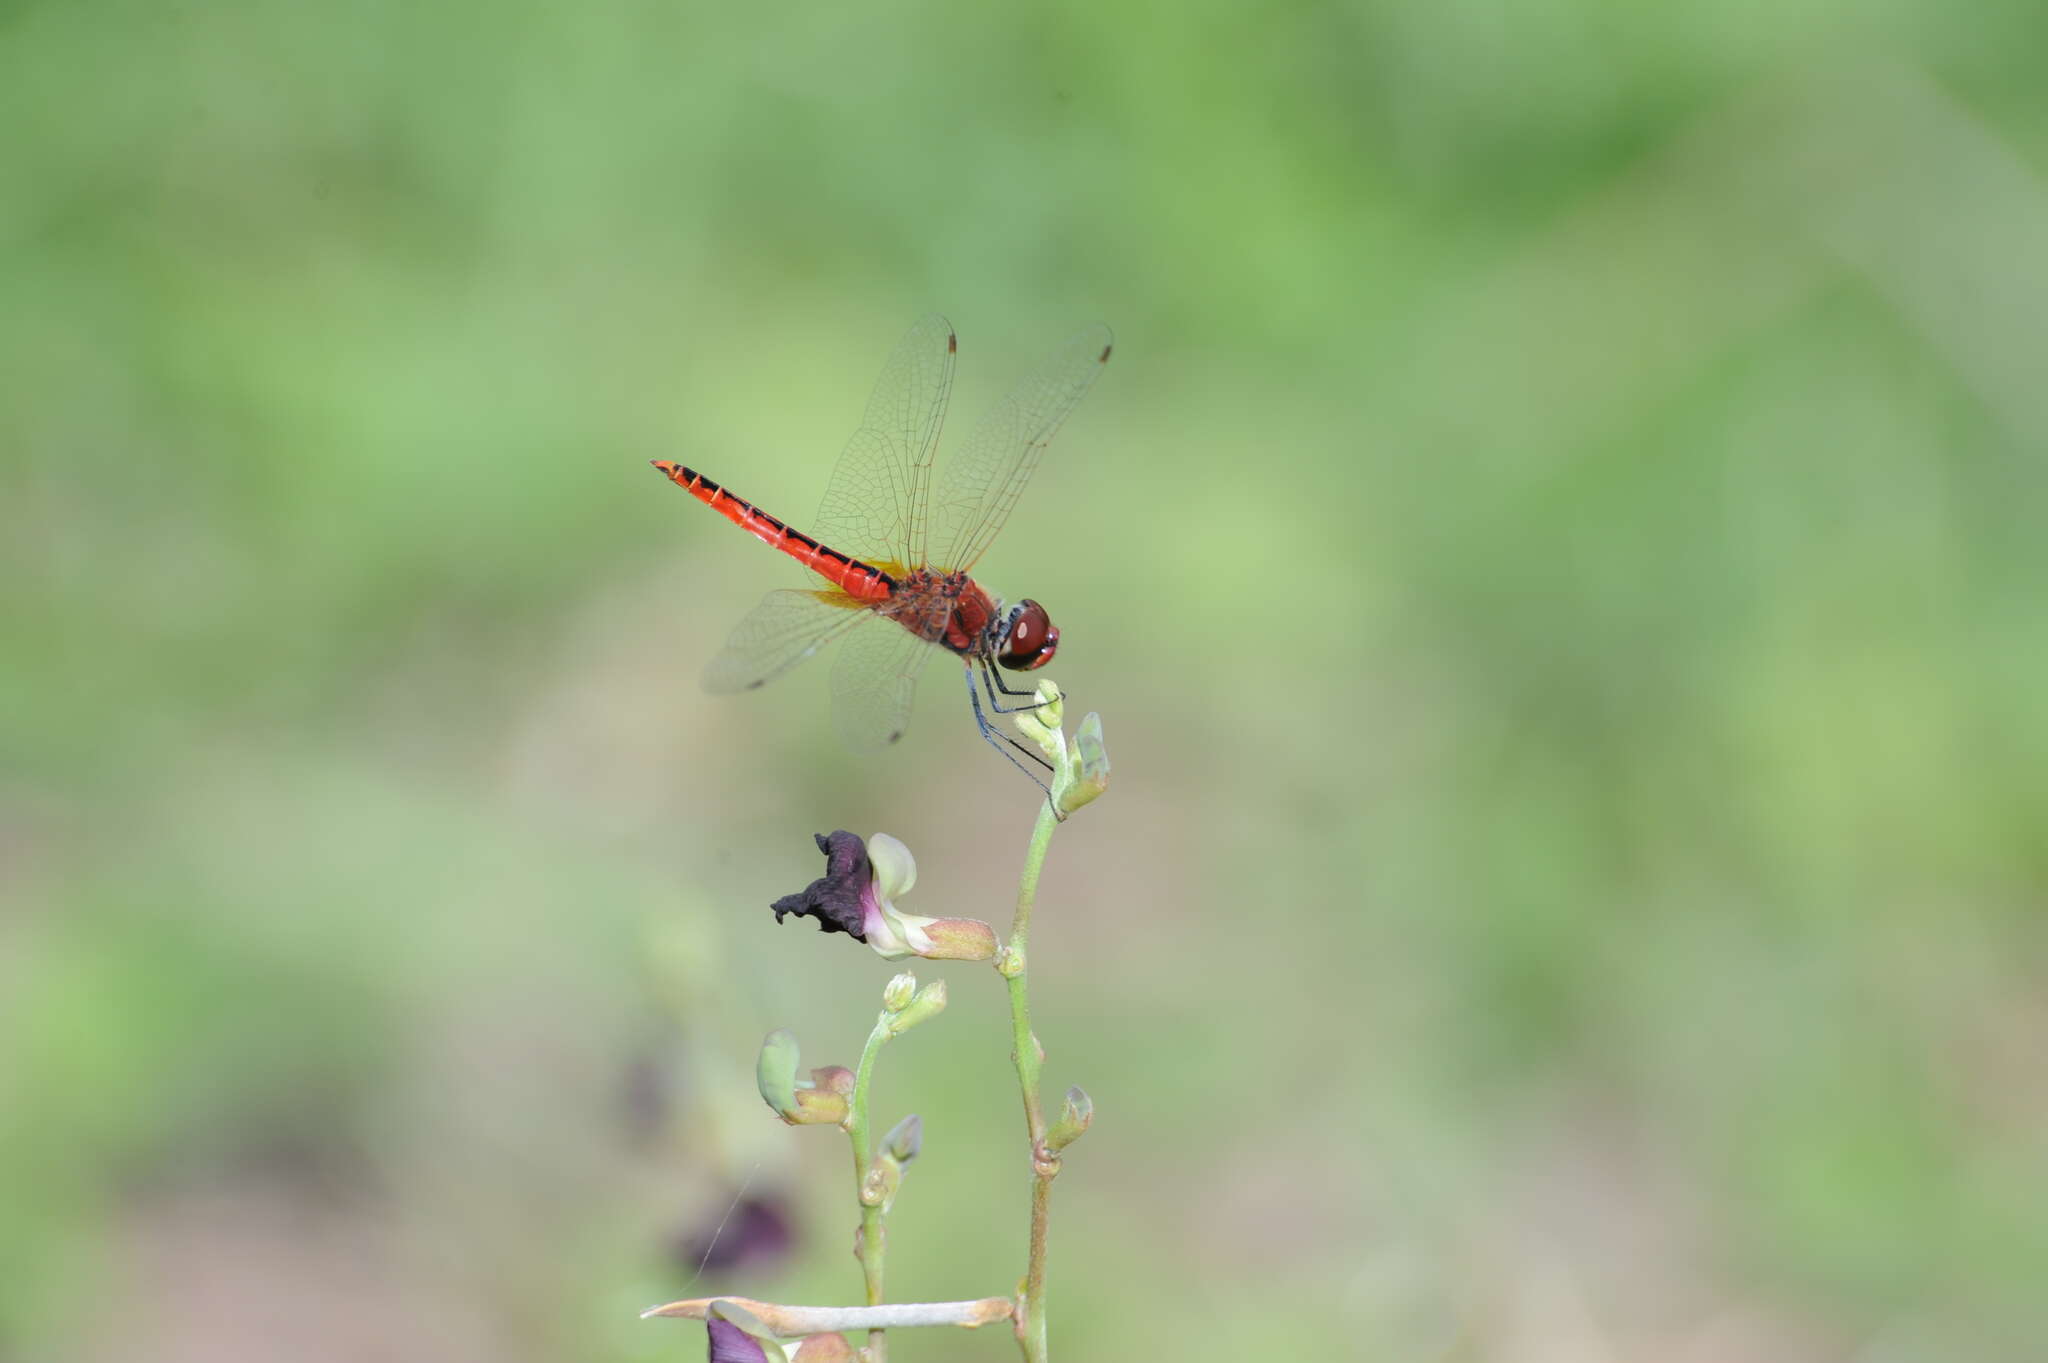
(873, 1244)
(810, 1320)
(1044, 1164)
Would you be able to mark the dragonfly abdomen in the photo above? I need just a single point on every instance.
(859, 580)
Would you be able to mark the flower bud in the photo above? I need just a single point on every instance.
(928, 1002)
(957, 939)
(1051, 704)
(821, 1099)
(905, 1139)
(1080, 770)
(897, 994)
(775, 1071)
(1089, 773)
(1075, 1115)
(1041, 724)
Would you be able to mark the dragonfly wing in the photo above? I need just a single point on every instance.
(874, 681)
(986, 477)
(786, 628)
(874, 506)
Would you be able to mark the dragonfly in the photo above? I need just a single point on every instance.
(892, 552)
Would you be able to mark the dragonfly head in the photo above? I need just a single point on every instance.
(1030, 638)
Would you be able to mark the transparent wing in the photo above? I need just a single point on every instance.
(786, 628)
(873, 684)
(874, 506)
(986, 477)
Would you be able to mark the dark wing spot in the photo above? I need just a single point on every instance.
(1104, 358)
(757, 684)
(898, 734)
(952, 343)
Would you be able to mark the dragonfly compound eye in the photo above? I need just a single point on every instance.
(1032, 640)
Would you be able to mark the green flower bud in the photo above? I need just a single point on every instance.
(896, 996)
(821, 1099)
(1041, 724)
(1080, 770)
(927, 1003)
(1052, 704)
(1089, 774)
(1074, 1118)
(905, 1139)
(775, 1071)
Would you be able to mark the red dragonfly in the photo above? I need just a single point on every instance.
(894, 553)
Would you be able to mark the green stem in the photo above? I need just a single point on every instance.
(1044, 1164)
(874, 1242)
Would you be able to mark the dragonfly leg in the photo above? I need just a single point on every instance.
(992, 683)
(1003, 743)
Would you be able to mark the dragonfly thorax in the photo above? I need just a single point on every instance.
(947, 609)
(955, 612)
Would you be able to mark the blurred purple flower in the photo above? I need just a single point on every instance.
(756, 1232)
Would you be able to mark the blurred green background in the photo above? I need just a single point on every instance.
(1559, 553)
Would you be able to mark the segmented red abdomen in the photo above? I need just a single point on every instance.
(859, 580)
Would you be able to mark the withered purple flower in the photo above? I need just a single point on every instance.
(835, 898)
(857, 896)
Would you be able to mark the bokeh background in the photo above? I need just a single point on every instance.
(1559, 552)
